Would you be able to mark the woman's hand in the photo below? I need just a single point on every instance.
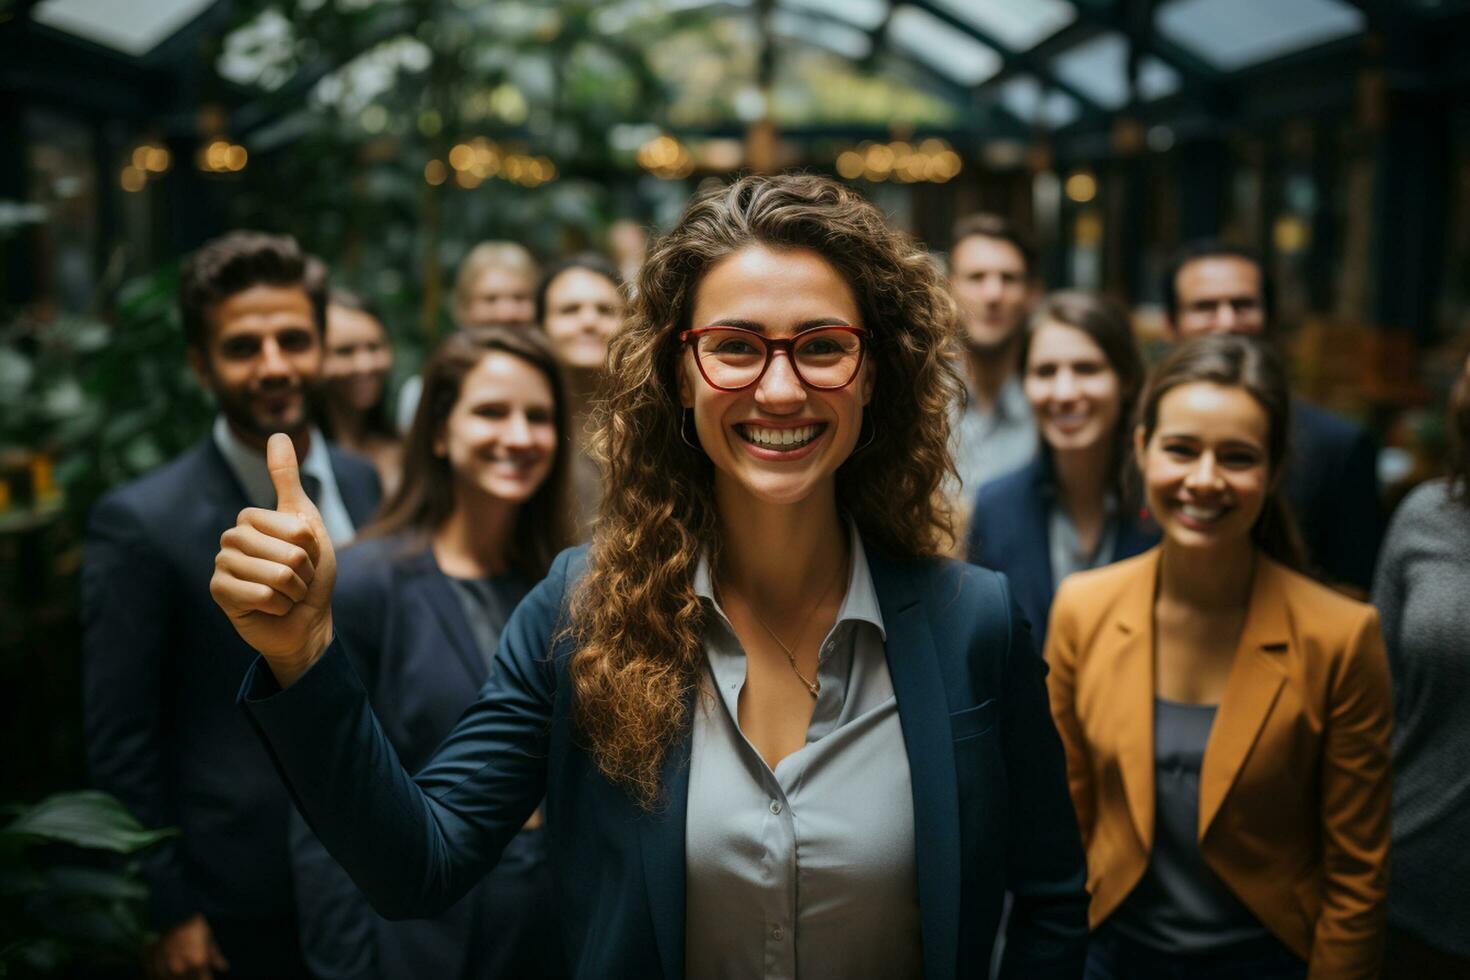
(274, 573)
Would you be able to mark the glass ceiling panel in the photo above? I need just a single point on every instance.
(1242, 33)
(1017, 24)
(1100, 69)
(849, 42)
(949, 51)
(1024, 97)
(864, 14)
(134, 28)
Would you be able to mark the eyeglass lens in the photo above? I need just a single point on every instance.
(822, 358)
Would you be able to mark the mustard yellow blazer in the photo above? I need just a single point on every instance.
(1294, 787)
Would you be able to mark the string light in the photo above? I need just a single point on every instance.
(481, 159)
(666, 158)
(220, 156)
(1081, 187)
(932, 161)
(148, 161)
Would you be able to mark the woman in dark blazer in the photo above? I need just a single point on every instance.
(1068, 509)
(420, 602)
(761, 675)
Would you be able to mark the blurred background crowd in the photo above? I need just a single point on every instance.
(498, 170)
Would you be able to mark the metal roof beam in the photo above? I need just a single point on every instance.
(1022, 60)
(1196, 75)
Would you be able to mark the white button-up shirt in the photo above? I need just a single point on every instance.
(807, 870)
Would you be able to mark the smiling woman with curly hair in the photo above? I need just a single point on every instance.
(775, 731)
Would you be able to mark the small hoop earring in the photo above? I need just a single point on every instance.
(872, 434)
(684, 420)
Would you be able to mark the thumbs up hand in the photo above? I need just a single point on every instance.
(274, 573)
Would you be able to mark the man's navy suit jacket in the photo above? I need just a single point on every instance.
(1010, 531)
(1332, 483)
(991, 806)
(161, 665)
(421, 664)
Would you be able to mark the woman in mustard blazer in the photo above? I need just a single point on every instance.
(1226, 719)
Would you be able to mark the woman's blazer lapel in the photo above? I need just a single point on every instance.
(421, 573)
(1251, 690)
(661, 841)
(1255, 680)
(923, 714)
(1126, 708)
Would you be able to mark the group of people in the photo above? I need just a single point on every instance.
(763, 723)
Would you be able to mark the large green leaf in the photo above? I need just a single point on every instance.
(84, 818)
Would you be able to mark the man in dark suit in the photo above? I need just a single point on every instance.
(1332, 481)
(161, 663)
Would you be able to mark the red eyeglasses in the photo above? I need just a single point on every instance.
(734, 358)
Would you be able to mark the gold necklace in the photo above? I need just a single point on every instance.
(813, 686)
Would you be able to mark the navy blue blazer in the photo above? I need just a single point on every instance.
(1332, 483)
(160, 668)
(1010, 531)
(413, 648)
(991, 805)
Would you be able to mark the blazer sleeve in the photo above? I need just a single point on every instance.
(1356, 800)
(127, 614)
(1061, 657)
(338, 927)
(415, 845)
(1046, 870)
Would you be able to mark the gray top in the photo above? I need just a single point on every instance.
(1067, 555)
(1422, 591)
(1180, 905)
(809, 870)
(988, 444)
(488, 603)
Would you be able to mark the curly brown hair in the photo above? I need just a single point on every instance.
(635, 619)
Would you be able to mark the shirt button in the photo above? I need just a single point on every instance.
(777, 932)
(776, 809)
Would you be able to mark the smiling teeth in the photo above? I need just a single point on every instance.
(782, 438)
(1196, 513)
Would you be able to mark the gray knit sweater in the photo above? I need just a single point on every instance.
(1422, 589)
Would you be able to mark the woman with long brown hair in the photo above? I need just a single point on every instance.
(1069, 509)
(420, 601)
(775, 731)
(1226, 718)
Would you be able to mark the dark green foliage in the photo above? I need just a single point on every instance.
(64, 906)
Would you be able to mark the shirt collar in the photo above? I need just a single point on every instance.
(1010, 403)
(248, 463)
(860, 604)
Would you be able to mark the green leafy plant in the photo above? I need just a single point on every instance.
(66, 901)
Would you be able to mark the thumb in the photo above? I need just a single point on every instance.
(280, 459)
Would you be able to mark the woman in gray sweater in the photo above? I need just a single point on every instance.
(1422, 589)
